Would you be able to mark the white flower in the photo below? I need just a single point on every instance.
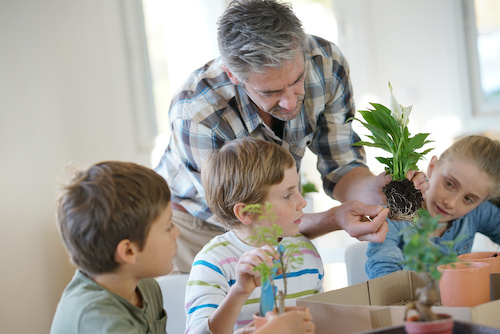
(398, 112)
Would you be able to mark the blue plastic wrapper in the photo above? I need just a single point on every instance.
(268, 292)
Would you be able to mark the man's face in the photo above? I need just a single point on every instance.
(279, 91)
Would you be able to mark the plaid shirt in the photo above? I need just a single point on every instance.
(209, 111)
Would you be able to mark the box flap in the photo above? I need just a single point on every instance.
(352, 295)
(486, 314)
(391, 289)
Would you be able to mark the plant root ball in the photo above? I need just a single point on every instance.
(403, 200)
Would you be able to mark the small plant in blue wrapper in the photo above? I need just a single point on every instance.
(290, 257)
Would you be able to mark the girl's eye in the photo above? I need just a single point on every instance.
(287, 196)
(450, 185)
(468, 200)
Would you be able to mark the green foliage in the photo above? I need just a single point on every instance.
(420, 253)
(309, 187)
(390, 133)
(290, 252)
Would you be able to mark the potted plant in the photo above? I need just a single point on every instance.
(423, 256)
(290, 257)
(389, 128)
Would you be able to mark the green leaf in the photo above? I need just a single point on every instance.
(383, 117)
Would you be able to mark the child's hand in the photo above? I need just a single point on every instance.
(419, 180)
(291, 322)
(247, 279)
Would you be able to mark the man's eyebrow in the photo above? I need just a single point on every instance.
(279, 90)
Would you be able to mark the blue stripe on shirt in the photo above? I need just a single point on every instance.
(300, 273)
(192, 309)
(207, 264)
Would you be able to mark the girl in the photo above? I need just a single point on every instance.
(462, 181)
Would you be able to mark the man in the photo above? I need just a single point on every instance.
(274, 82)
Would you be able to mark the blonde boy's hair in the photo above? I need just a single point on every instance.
(484, 152)
(243, 170)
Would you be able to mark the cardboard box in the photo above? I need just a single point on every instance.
(458, 328)
(380, 303)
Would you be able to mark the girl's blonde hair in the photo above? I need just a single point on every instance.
(243, 170)
(484, 152)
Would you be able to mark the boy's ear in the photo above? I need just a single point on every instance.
(431, 166)
(233, 79)
(125, 252)
(245, 218)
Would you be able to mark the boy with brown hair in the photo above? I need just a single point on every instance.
(115, 220)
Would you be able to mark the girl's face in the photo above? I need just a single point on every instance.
(287, 203)
(456, 188)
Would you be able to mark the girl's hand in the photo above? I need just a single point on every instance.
(419, 180)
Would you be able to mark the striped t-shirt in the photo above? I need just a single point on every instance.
(214, 272)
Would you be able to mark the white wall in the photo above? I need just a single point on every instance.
(419, 46)
(65, 96)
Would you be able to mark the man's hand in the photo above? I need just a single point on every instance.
(418, 178)
(362, 221)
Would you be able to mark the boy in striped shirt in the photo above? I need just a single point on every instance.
(223, 289)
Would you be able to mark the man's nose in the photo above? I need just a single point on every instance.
(288, 100)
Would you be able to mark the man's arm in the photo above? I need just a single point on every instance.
(359, 220)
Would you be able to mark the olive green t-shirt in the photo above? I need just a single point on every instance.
(87, 307)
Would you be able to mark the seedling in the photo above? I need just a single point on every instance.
(290, 257)
(423, 256)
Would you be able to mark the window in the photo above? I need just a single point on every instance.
(482, 22)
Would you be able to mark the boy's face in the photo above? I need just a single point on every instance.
(287, 203)
(456, 188)
(160, 248)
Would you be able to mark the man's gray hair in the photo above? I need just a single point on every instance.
(254, 35)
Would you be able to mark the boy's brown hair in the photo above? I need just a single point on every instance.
(243, 170)
(109, 202)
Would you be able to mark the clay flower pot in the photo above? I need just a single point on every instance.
(493, 258)
(464, 283)
(442, 326)
(260, 321)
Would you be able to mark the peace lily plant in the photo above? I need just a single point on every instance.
(389, 131)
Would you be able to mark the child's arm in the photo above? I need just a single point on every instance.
(224, 317)
(385, 258)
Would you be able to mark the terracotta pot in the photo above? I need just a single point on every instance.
(493, 258)
(261, 321)
(444, 325)
(464, 283)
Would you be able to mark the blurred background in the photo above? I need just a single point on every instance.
(89, 80)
